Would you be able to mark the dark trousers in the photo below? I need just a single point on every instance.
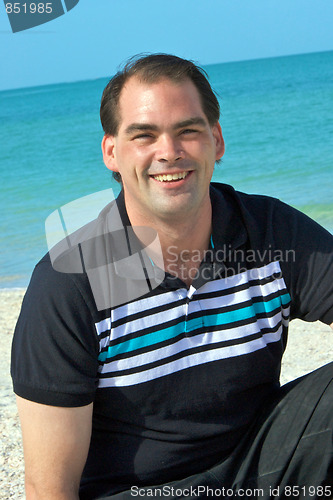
(286, 454)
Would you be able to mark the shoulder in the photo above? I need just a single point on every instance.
(267, 218)
(251, 205)
(47, 283)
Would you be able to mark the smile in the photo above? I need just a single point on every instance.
(170, 177)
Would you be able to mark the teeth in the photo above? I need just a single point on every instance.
(170, 177)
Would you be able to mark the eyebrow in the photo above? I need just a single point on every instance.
(190, 122)
(141, 127)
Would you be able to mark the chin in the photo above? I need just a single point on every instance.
(173, 210)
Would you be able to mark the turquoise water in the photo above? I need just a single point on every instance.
(277, 122)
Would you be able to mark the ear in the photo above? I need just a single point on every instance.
(108, 149)
(219, 141)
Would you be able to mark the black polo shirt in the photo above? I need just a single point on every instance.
(177, 374)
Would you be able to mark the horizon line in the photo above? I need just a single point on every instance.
(202, 65)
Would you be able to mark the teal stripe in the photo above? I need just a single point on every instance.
(144, 341)
(247, 312)
(211, 320)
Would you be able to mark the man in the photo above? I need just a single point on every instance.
(178, 386)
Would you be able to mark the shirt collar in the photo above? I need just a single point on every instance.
(228, 233)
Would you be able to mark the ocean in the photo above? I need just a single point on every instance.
(277, 120)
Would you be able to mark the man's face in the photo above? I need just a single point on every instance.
(165, 149)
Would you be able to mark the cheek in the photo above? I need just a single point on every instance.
(133, 162)
(203, 145)
(133, 154)
(204, 152)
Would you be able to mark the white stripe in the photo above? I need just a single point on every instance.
(191, 361)
(141, 306)
(161, 318)
(149, 303)
(103, 326)
(242, 295)
(190, 342)
(242, 278)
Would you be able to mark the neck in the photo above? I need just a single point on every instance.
(182, 243)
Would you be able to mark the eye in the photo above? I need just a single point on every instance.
(188, 131)
(143, 137)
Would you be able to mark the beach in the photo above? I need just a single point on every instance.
(11, 458)
(309, 346)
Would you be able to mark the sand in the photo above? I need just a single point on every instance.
(11, 457)
(309, 346)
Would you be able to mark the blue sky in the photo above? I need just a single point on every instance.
(93, 38)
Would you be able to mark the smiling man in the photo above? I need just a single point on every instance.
(165, 150)
(175, 392)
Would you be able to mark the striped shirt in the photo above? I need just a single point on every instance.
(177, 374)
(159, 335)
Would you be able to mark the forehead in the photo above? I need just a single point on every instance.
(161, 100)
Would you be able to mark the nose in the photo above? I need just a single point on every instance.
(169, 149)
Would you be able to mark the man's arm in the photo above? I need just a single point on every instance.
(56, 442)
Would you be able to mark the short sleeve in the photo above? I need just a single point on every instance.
(55, 349)
(308, 260)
